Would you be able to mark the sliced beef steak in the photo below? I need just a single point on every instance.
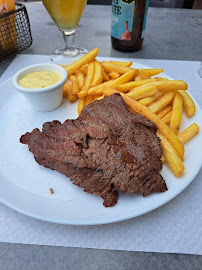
(104, 150)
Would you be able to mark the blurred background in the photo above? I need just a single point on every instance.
(195, 4)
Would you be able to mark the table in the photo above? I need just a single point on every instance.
(170, 34)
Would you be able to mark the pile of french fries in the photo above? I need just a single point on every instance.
(158, 99)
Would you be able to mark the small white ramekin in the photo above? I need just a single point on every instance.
(42, 99)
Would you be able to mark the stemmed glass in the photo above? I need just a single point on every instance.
(66, 14)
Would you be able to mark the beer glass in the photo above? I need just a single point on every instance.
(66, 14)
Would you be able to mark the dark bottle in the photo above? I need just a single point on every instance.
(128, 24)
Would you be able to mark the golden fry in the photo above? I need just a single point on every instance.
(162, 102)
(166, 118)
(84, 70)
(100, 97)
(81, 105)
(128, 86)
(138, 78)
(114, 75)
(137, 107)
(128, 76)
(164, 111)
(89, 79)
(68, 88)
(171, 155)
(95, 97)
(160, 79)
(65, 89)
(187, 134)
(72, 98)
(120, 63)
(142, 92)
(93, 90)
(64, 93)
(81, 79)
(145, 78)
(149, 72)
(98, 77)
(88, 100)
(149, 100)
(176, 116)
(109, 67)
(89, 57)
(170, 85)
(106, 77)
(188, 103)
(75, 84)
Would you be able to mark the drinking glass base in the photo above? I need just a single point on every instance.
(61, 55)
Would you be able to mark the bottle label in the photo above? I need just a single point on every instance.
(122, 19)
(3, 8)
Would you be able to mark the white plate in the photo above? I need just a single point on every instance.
(24, 184)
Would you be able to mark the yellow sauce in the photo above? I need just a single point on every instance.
(39, 79)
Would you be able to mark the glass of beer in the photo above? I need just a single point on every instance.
(66, 14)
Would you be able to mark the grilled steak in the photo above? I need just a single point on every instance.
(104, 150)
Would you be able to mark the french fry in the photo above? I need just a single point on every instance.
(149, 72)
(68, 89)
(75, 84)
(109, 67)
(187, 134)
(170, 85)
(120, 63)
(89, 79)
(188, 103)
(101, 97)
(142, 92)
(98, 77)
(164, 111)
(176, 116)
(137, 107)
(145, 77)
(160, 79)
(162, 102)
(85, 66)
(166, 118)
(93, 90)
(88, 100)
(89, 57)
(65, 89)
(138, 78)
(96, 97)
(128, 76)
(81, 79)
(72, 98)
(114, 75)
(149, 100)
(81, 105)
(84, 70)
(128, 86)
(171, 155)
(106, 77)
